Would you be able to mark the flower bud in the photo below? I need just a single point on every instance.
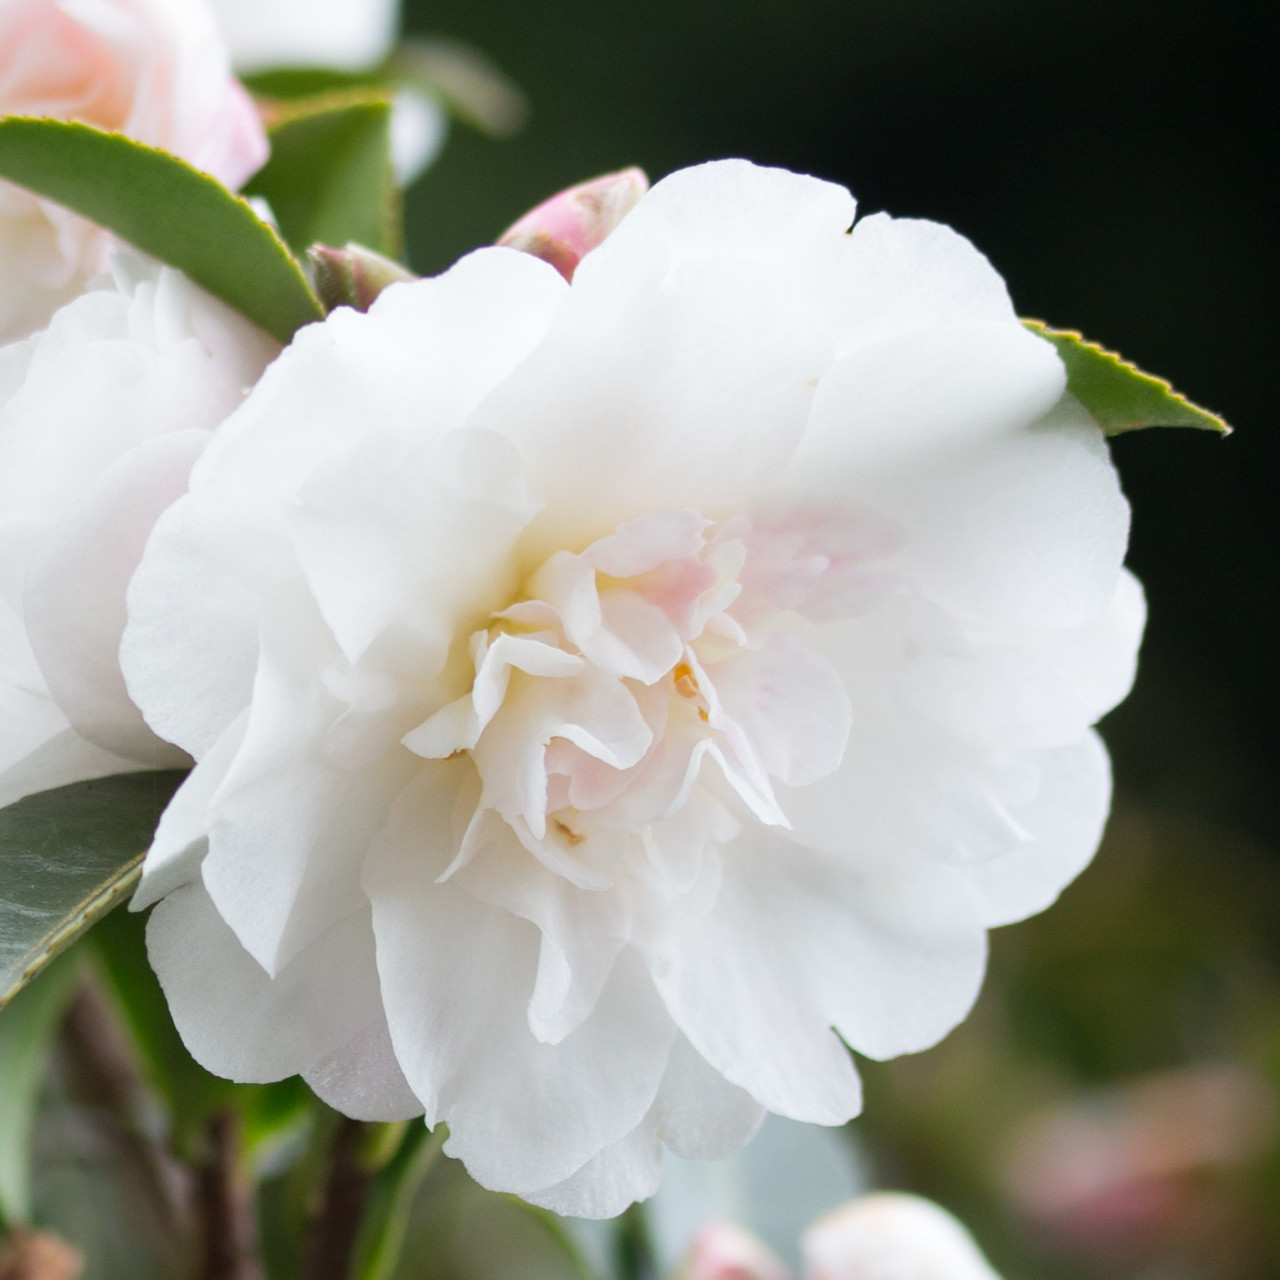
(564, 229)
(723, 1251)
(891, 1236)
(354, 276)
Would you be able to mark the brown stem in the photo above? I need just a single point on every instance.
(107, 1078)
(225, 1203)
(335, 1225)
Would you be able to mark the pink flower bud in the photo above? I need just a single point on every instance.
(891, 1236)
(564, 229)
(722, 1251)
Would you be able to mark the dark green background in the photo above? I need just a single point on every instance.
(1110, 158)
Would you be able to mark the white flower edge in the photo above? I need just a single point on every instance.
(101, 417)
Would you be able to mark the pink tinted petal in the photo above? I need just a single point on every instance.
(791, 704)
(564, 229)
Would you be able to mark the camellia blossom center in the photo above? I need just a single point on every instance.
(601, 696)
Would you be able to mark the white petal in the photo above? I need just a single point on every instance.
(1024, 688)
(362, 1078)
(235, 1020)
(415, 364)
(798, 942)
(915, 401)
(582, 930)
(740, 994)
(181, 838)
(1064, 826)
(624, 1172)
(412, 534)
(75, 595)
(1026, 530)
(457, 976)
(684, 390)
(729, 208)
(190, 681)
(699, 1115)
(290, 828)
(947, 724)
(349, 34)
(790, 702)
(65, 757)
(904, 274)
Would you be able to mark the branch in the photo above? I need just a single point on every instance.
(225, 1204)
(336, 1223)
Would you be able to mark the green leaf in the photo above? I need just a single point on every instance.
(329, 179)
(1118, 394)
(66, 858)
(26, 1033)
(164, 207)
(390, 1202)
(308, 82)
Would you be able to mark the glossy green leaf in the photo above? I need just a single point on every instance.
(67, 857)
(1118, 394)
(27, 1029)
(166, 208)
(330, 179)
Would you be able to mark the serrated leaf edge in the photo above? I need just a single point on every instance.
(278, 243)
(1210, 421)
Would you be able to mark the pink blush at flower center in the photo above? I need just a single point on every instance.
(602, 698)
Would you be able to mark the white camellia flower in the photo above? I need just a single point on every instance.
(156, 70)
(614, 699)
(101, 416)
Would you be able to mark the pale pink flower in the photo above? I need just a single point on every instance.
(101, 417)
(156, 70)
(723, 1251)
(614, 700)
